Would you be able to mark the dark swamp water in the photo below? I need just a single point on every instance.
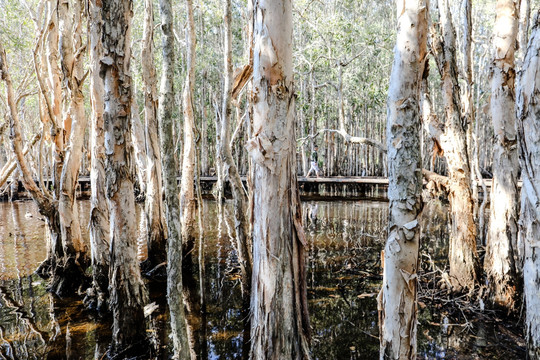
(345, 240)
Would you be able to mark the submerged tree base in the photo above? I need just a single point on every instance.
(67, 277)
(140, 350)
(154, 272)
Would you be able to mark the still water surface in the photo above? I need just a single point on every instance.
(344, 273)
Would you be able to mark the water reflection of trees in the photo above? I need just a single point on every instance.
(37, 325)
(344, 273)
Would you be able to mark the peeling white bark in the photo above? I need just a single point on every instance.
(137, 138)
(127, 292)
(397, 302)
(280, 321)
(501, 252)
(529, 143)
(462, 250)
(73, 74)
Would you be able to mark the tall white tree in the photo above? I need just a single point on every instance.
(529, 153)
(501, 252)
(398, 298)
(280, 321)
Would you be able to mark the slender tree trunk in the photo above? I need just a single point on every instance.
(398, 296)
(66, 279)
(127, 292)
(154, 204)
(187, 193)
(170, 172)
(529, 143)
(54, 85)
(462, 252)
(188, 203)
(54, 244)
(231, 173)
(280, 321)
(501, 252)
(98, 294)
(71, 51)
(139, 148)
(469, 115)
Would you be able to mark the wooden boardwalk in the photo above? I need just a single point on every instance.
(84, 181)
(335, 187)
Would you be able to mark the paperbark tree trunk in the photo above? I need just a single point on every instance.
(462, 251)
(187, 193)
(229, 167)
(127, 293)
(501, 252)
(170, 172)
(230, 173)
(99, 211)
(529, 153)
(139, 148)
(71, 53)
(188, 203)
(67, 275)
(54, 85)
(11, 164)
(469, 115)
(154, 204)
(398, 297)
(46, 206)
(53, 88)
(280, 321)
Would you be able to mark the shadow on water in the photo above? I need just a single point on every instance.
(344, 275)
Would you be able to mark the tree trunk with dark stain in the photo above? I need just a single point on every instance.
(156, 241)
(98, 294)
(127, 292)
(170, 187)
